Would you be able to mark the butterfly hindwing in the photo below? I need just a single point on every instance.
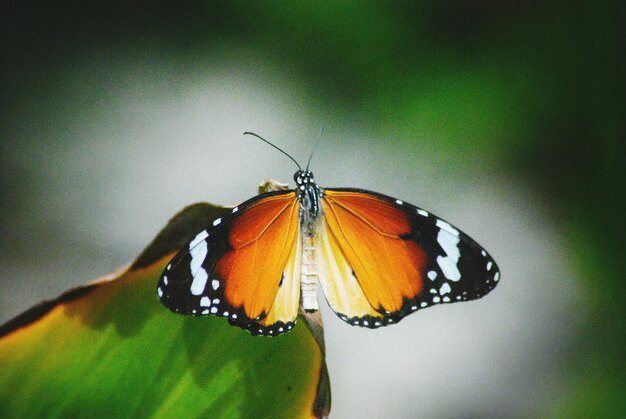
(340, 285)
(388, 259)
(244, 267)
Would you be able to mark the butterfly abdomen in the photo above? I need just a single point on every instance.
(309, 273)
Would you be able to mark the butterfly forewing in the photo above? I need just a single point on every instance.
(244, 266)
(396, 257)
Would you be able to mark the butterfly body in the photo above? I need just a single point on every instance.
(376, 258)
(309, 197)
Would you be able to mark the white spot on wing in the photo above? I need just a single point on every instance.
(205, 302)
(160, 292)
(217, 221)
(199, 237)
(198, 253)
(436, 299)
(432, 275)
(199, 282)
(213, 310)
(445, 289)
(235, 209)
(165, 280)
(399, 202)
(449, 243)
(200, 276)
(489, 264)
(445, 226)
(422, 212)
(215, 284)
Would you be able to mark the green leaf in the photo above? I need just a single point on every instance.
(110, 349)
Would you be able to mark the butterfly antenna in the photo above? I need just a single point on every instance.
(276, 147)
(319, 137)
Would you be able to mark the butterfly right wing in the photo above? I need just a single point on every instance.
(244, 267)
(385, 259)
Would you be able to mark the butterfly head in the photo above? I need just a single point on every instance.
(303, 178)
(308, 192)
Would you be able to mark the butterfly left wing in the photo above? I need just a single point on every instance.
(245, 267)
(385, 259)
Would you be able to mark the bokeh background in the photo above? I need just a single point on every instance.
(505, 118)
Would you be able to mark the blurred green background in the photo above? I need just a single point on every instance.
(506, 118)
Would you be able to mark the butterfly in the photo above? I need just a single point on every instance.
(376, 258)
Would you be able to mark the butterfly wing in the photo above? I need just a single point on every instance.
(245, 266)
(385, 259)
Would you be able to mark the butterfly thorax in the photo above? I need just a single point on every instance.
(309, 195)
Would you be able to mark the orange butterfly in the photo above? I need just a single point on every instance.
(376, 258)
